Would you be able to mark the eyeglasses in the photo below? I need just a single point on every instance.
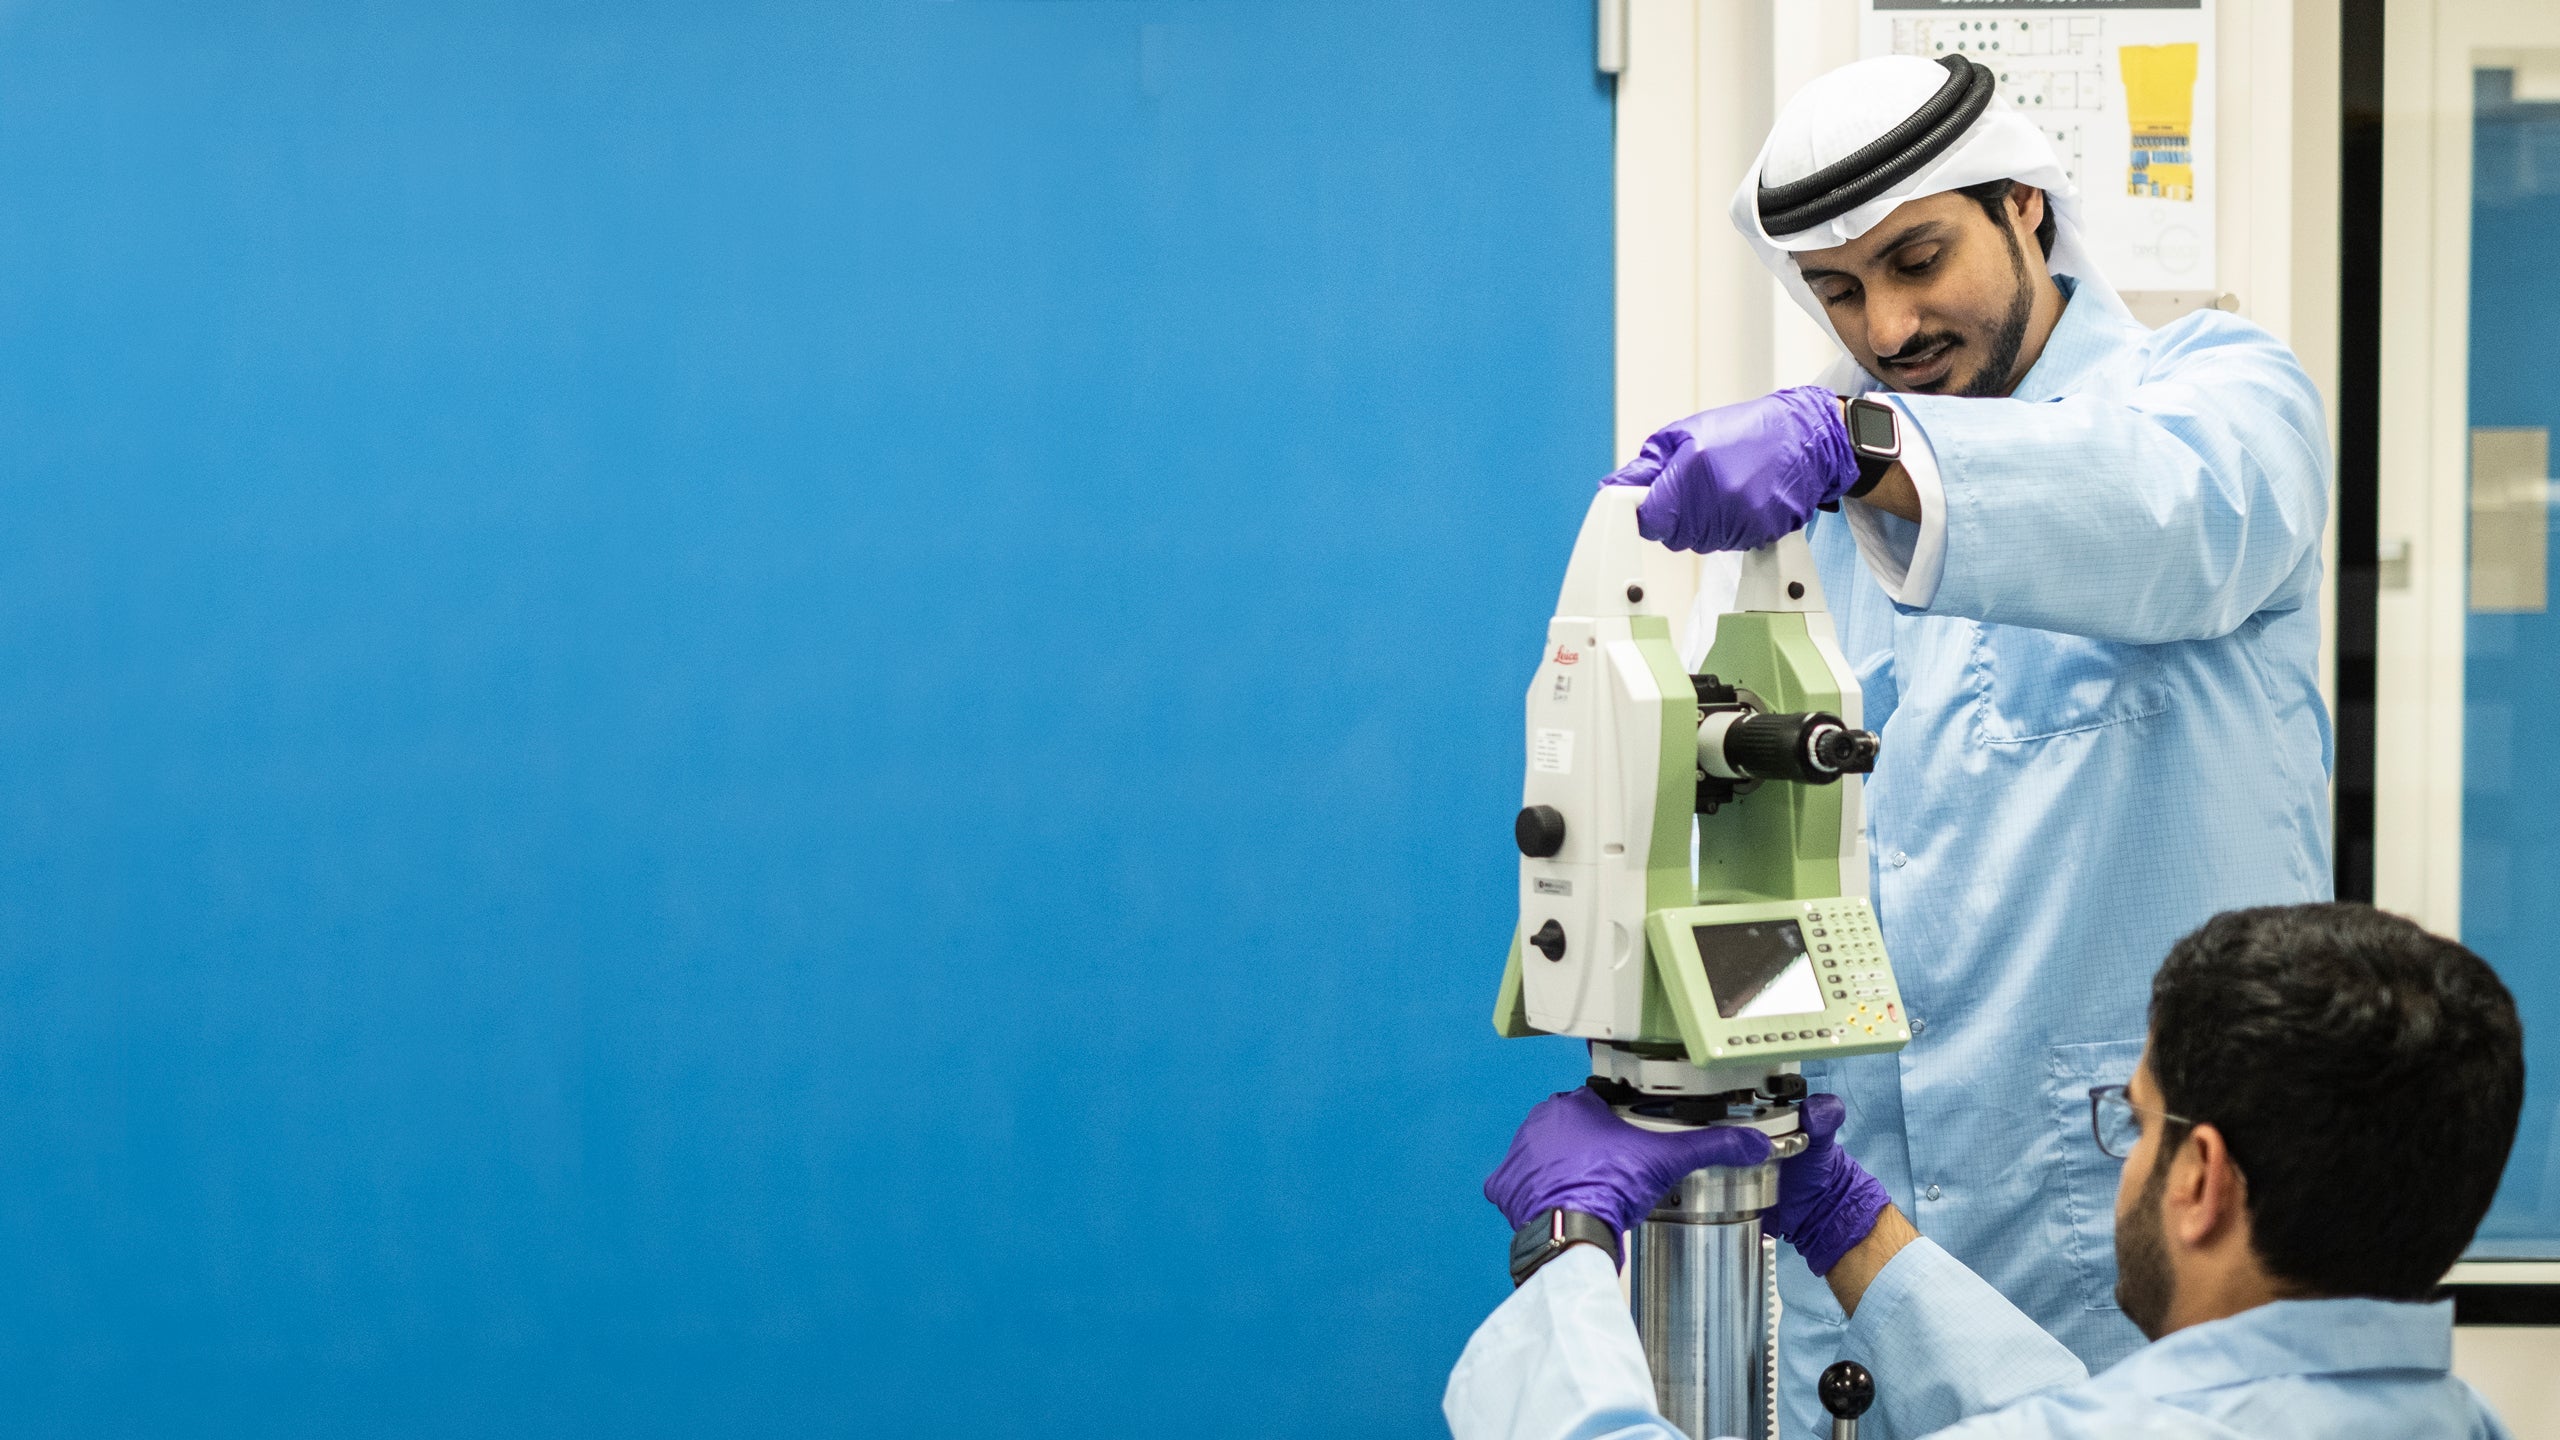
(2117, 1122)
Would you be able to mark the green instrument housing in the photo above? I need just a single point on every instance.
(1771, 854)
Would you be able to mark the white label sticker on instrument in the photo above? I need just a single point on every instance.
(1553, 752)
(1552, 887)
(1564, 686)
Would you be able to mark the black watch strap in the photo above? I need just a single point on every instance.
(1871, 473)
(1550, 1233)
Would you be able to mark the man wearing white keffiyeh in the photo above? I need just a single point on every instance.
(2082, 601)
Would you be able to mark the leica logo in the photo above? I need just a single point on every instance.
(1567, 657)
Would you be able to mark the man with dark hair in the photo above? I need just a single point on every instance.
(2315, 1127)
(2304, 1038)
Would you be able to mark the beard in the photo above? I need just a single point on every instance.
(1997, 374)
(2142, 1258)
(1998, 370)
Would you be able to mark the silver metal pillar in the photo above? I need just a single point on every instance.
(1700, 1284)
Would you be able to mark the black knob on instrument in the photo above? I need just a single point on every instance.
(1540, 831)
(1549, 940)
(1846, 1390)
(1783, 1088)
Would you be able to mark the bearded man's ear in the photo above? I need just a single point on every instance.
(2029, 202)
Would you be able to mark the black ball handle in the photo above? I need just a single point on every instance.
(1846, 1389)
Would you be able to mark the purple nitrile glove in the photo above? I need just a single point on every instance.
(1739, 476)
(1827, 1202)
(1574, 1153)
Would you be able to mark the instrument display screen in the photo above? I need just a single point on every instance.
(1757, 969)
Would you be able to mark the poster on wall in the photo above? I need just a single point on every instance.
(2125, 93)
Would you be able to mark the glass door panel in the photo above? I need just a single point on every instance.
(2511, 681)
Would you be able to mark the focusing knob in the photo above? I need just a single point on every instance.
(1812, 747)
(1549, 940)
(1846, 1390)
(1540, 831)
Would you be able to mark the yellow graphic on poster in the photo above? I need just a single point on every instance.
(2123, 89)
(2160, 100)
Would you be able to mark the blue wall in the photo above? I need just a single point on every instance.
(769, 719)
(2511, 799)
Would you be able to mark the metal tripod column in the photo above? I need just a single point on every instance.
(1700, 1287)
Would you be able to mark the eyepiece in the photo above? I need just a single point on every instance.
(1851, 752)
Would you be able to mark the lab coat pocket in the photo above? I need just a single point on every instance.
(2037, 684)
(2088, 1173)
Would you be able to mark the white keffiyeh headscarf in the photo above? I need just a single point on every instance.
(1859, 106)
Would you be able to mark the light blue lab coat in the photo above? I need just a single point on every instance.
(2104, 727)
(1559, 1361)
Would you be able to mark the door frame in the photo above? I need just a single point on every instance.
(2423, 500)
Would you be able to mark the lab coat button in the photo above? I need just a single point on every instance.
(1929, 1194)
(1899, 859)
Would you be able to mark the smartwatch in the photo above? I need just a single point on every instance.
(1875, 437)
(1550, 1233)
